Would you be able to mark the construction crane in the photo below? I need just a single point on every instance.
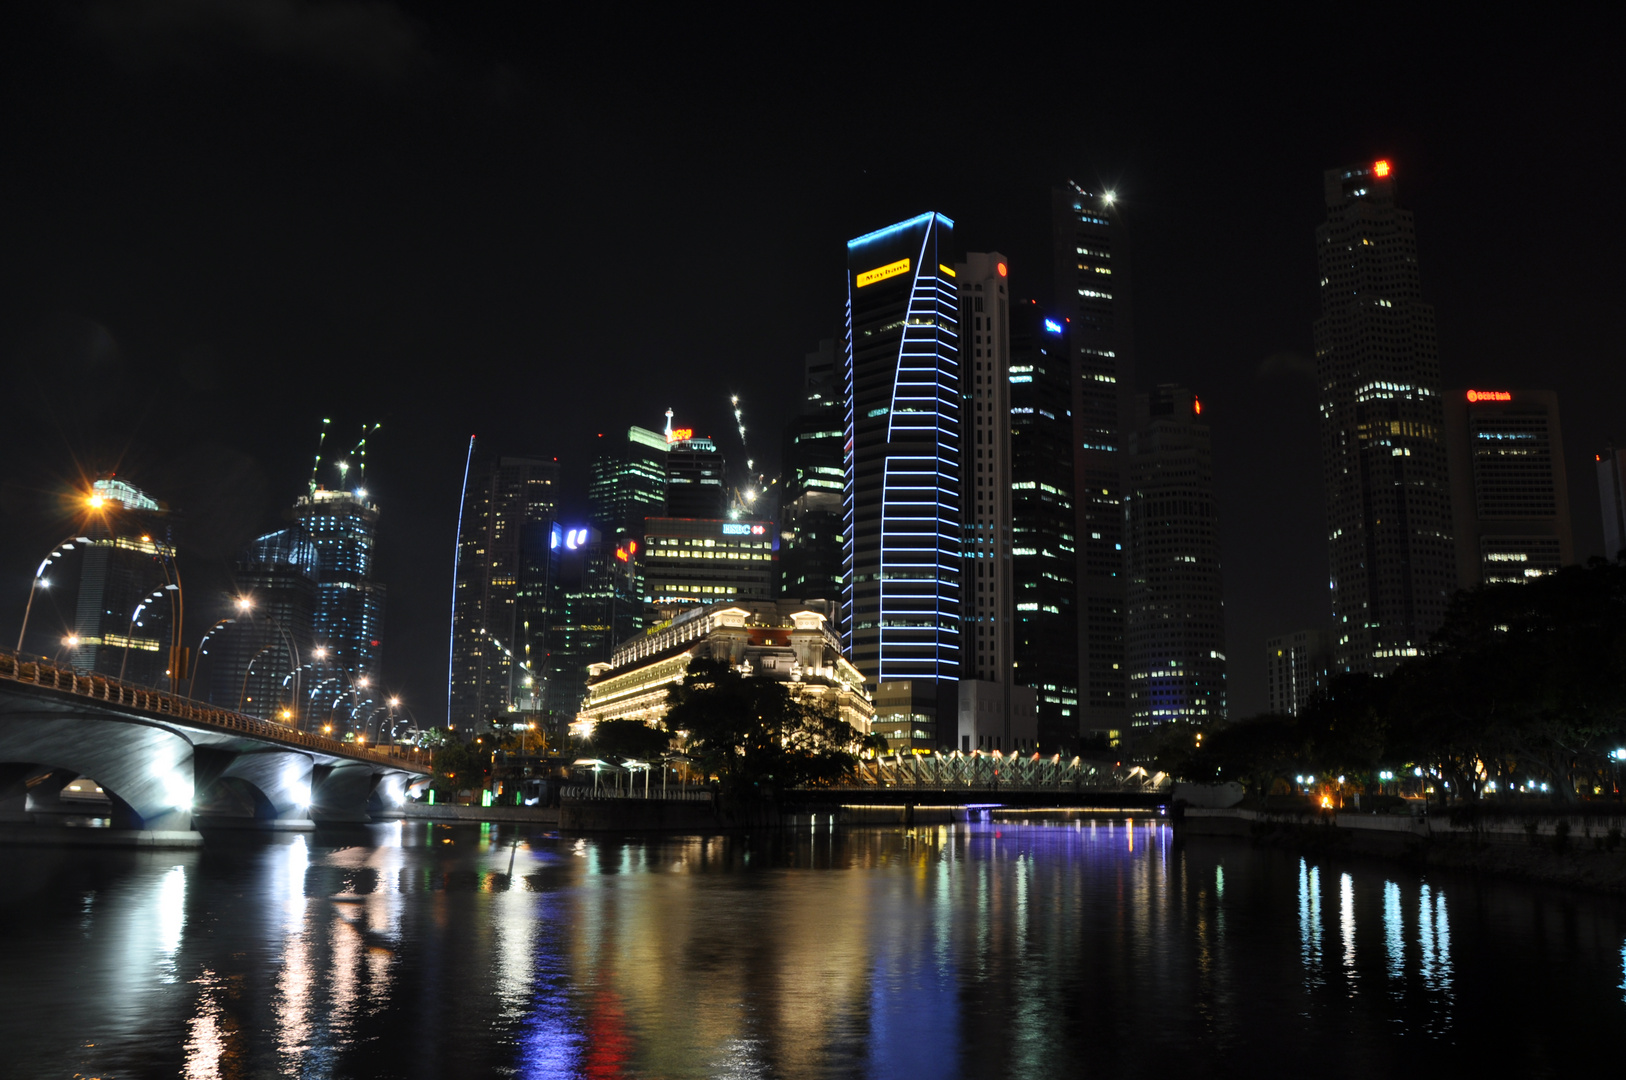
(755, 490)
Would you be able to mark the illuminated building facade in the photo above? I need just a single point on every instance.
(902, 506)
(250, 661)
(1297, 667)
(784, 641)
(810, 531)
(994, 712)
(130, 557)
(696, 478)
(986, 346)
(349, 619)
(693, 561)
(1510, 504)
(628, 484)
(1044, 551)
(1175, 629)
(1388, 498)
(1093, 295)
(506, 564)
(1611, 465)
(594, 607)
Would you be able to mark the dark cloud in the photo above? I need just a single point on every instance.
(368, 40)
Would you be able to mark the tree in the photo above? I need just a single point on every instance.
(620, 740)
(754, 737)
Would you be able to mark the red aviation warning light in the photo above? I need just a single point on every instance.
(1002, 270)
(1380, 169)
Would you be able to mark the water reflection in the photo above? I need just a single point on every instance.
(1015, 947)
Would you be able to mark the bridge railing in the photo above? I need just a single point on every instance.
(586, 792)
(103, 688)
(984, 772)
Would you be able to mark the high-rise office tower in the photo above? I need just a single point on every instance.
(628, 483)
(349, 619)
(810, 496)
(251, 662)
(1510, 503)
(1175, 630)
(688, 562)
(1297, 667)
(994, 712)
(696, 478)
(1044, 551)
(127, 565)
(985, 352)
(902, 506)
(1092, 277)
(1612, 499)
(593, 605)
(1383, 453)
(505, 565)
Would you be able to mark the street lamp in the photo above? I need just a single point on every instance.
(65, 545)
(192, 690)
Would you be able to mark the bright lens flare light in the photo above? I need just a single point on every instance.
(96, 500)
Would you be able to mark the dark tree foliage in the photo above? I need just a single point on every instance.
(1523, 682)
(459, 765)
(753, 737)
(622, 740)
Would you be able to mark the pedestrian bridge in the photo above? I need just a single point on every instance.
(92, 750)
(993, 779)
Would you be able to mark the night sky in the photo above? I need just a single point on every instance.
(223, 220)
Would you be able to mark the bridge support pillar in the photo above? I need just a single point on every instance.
(340, 793)
(261, 789)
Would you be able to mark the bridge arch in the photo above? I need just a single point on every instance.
(144, 769)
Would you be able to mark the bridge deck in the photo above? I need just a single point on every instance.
(158, 704)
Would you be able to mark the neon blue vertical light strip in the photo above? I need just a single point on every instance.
(457, 555)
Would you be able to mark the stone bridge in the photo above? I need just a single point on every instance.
(153, 767)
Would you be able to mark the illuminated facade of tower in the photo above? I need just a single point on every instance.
(1093, 296)
(628, 483)
(810, 497)
(505, 569)
(1175, 622)
(1388, 497)
(902, 508)
(349, 620)
(1044, 550)
(250, 661)
(1510, 499)
(128, 563)
(989, 603)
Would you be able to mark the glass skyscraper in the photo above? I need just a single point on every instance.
(903, 515)
(505, 571)
(1175, 626)
(349, 619)
(1393, 566)
(1044, 549)
(130, 559)
(1094, 300)
(810, 497)
(250, 662)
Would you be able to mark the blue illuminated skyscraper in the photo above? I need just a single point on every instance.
(349, 619)
(903, 516)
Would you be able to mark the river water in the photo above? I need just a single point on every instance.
(1088, 946)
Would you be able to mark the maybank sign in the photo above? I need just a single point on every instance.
(881, 273)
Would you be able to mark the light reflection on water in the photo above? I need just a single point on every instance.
(1009, 947)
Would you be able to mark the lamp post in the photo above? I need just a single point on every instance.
(243, 694)
(192, 688)
(245, 607)
(65, 545)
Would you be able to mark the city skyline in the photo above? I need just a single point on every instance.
(171, 295)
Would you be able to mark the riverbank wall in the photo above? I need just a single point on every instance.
(1577, 850)
(450, 812)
